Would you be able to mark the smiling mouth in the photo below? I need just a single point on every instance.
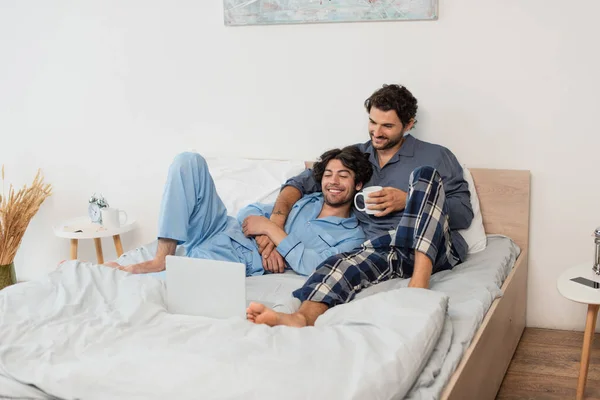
(334, 190)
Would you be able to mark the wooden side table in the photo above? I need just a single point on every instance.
(82, 228)
(587, 295)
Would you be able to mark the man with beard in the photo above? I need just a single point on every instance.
(319, 225)
(424, 201)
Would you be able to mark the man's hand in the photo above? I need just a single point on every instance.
(387, 200)
(265, 245)
(270, 235)
(274, 263)
(256, 225)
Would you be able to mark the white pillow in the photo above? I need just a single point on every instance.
(241, 181)
(474, 235)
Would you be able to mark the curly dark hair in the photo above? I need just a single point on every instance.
(351, 157)
(397, 98)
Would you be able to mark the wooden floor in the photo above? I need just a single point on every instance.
(546, 366)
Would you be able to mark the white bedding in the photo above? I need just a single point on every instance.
(91, 332)
(471, 287)
(87, 331)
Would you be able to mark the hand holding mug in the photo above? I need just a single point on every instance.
(381, 201)
(366, 194)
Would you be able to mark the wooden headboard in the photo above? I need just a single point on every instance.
(504, 201)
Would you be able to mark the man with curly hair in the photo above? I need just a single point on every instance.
(320, 225)
(413, 234)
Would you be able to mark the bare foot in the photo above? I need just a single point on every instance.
(261, 314)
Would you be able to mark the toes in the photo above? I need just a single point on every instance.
(256, 308)
(251, 317)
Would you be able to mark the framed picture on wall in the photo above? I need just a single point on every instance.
(265, 12)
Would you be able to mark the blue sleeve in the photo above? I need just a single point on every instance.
(260, 209)
(305, 260)
(305, 183)
(458, 197)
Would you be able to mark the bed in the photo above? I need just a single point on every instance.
(32, 366)
(504, 199)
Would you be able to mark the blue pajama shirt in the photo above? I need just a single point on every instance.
(193, 214)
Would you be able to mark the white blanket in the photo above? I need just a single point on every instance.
(93, 332)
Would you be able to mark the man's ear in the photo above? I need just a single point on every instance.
(410, 125)
(358, 187)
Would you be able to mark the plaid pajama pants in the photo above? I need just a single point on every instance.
(423, 227)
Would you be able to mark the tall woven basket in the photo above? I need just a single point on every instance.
(7, 275)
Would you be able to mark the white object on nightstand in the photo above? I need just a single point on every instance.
(82, 228)
(587, 295)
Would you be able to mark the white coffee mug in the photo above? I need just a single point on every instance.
(365, 193)
(111, 218)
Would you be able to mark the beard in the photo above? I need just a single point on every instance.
(333, 202)
(337, 204)
(388, 144)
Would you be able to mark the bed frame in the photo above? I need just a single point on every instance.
(504, 200)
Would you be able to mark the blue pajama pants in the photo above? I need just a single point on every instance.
(193, 214)
(424, 227)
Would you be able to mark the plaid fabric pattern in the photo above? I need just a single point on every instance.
(424, 227)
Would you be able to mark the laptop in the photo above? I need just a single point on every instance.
(207, 288)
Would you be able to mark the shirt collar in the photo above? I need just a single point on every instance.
(350, 223)
(406, 150)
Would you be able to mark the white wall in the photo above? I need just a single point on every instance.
(101, 95)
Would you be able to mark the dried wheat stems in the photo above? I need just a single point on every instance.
(16, 211)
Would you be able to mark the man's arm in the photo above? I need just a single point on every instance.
(259, 225)
(273, 261)
(288, 196)
(281, 209)
(266, 232)
(293, 190)
(458, 197)
(304, 183)
(302, 258)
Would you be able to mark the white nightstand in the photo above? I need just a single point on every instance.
(586, 295)
(82, 228)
